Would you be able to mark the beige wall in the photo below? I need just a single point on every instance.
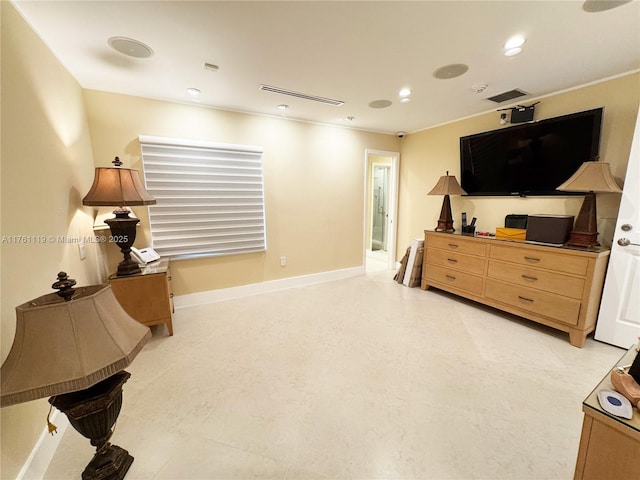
(426, 155)
(47, 166)
(314, 184)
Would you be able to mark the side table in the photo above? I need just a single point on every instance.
(609, 445)
(147, 296)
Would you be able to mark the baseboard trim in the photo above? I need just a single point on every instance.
(45, 448)
(210, 296)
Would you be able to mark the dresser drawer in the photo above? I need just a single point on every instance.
(454, 243)
(459, 280)
(540, 259)
(562, 309)
(455, 260)
(535, 278)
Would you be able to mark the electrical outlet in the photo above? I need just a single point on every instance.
(82, 251)
(283, 261)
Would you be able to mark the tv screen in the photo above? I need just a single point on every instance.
(529, 159)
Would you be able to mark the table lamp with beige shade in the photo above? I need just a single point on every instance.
(447, 185)
(592, 177)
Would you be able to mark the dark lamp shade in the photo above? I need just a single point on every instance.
(447, 185)
(62, 347)
(591, 177)
(117, 187)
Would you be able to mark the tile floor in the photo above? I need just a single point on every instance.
(354, 379)
(376, 260)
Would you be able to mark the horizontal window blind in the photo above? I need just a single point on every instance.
(210, 197)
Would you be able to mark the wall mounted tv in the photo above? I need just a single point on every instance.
(529, 159)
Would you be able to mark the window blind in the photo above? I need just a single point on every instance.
(210, 197)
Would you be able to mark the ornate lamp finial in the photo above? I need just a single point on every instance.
(64, 285)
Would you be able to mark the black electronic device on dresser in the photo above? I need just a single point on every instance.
(531, 158)
(514, 220)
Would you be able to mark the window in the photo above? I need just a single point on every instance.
(210, 197)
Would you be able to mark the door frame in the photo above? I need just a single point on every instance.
(392, 224)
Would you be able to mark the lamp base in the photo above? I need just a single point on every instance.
(112, 463)
(123, 231)
(445, 226)
(585, 229)
(127, 267)
(93, 412)
(445, 222)
(583, 239)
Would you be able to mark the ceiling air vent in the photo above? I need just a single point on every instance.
(304, 96)
(510, 95)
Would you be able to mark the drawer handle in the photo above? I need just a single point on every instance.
(452, 260)
(532, 259)
(525, 299)
(453, 245)
(529, 277)
(451, 277)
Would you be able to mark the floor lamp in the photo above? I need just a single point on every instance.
(591, 177)
(447, 185)
(72, 346)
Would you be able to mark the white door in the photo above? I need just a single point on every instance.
(619, 317)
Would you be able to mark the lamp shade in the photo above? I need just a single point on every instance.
(65, 346)
(591, 177)
(117, 187)
(447, 185)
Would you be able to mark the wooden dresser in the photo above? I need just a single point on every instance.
(556, 286)
(147, 296)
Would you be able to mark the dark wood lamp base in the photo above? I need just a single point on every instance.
(445, 222)
(585, 229)
(93, 412)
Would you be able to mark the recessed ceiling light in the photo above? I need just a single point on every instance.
(211, 66)
(194, 92)
(405, 92)
(130, 47)
(405, 100)
(514, 42)
(380, 104)
(512, 51)
(349, 118)
(282, 106)
(450, 71)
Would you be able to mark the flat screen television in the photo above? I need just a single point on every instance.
(529, 159)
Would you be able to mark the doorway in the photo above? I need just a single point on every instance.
(379, 207)
(381, 202)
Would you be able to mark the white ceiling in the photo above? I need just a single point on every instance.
(356, 52)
